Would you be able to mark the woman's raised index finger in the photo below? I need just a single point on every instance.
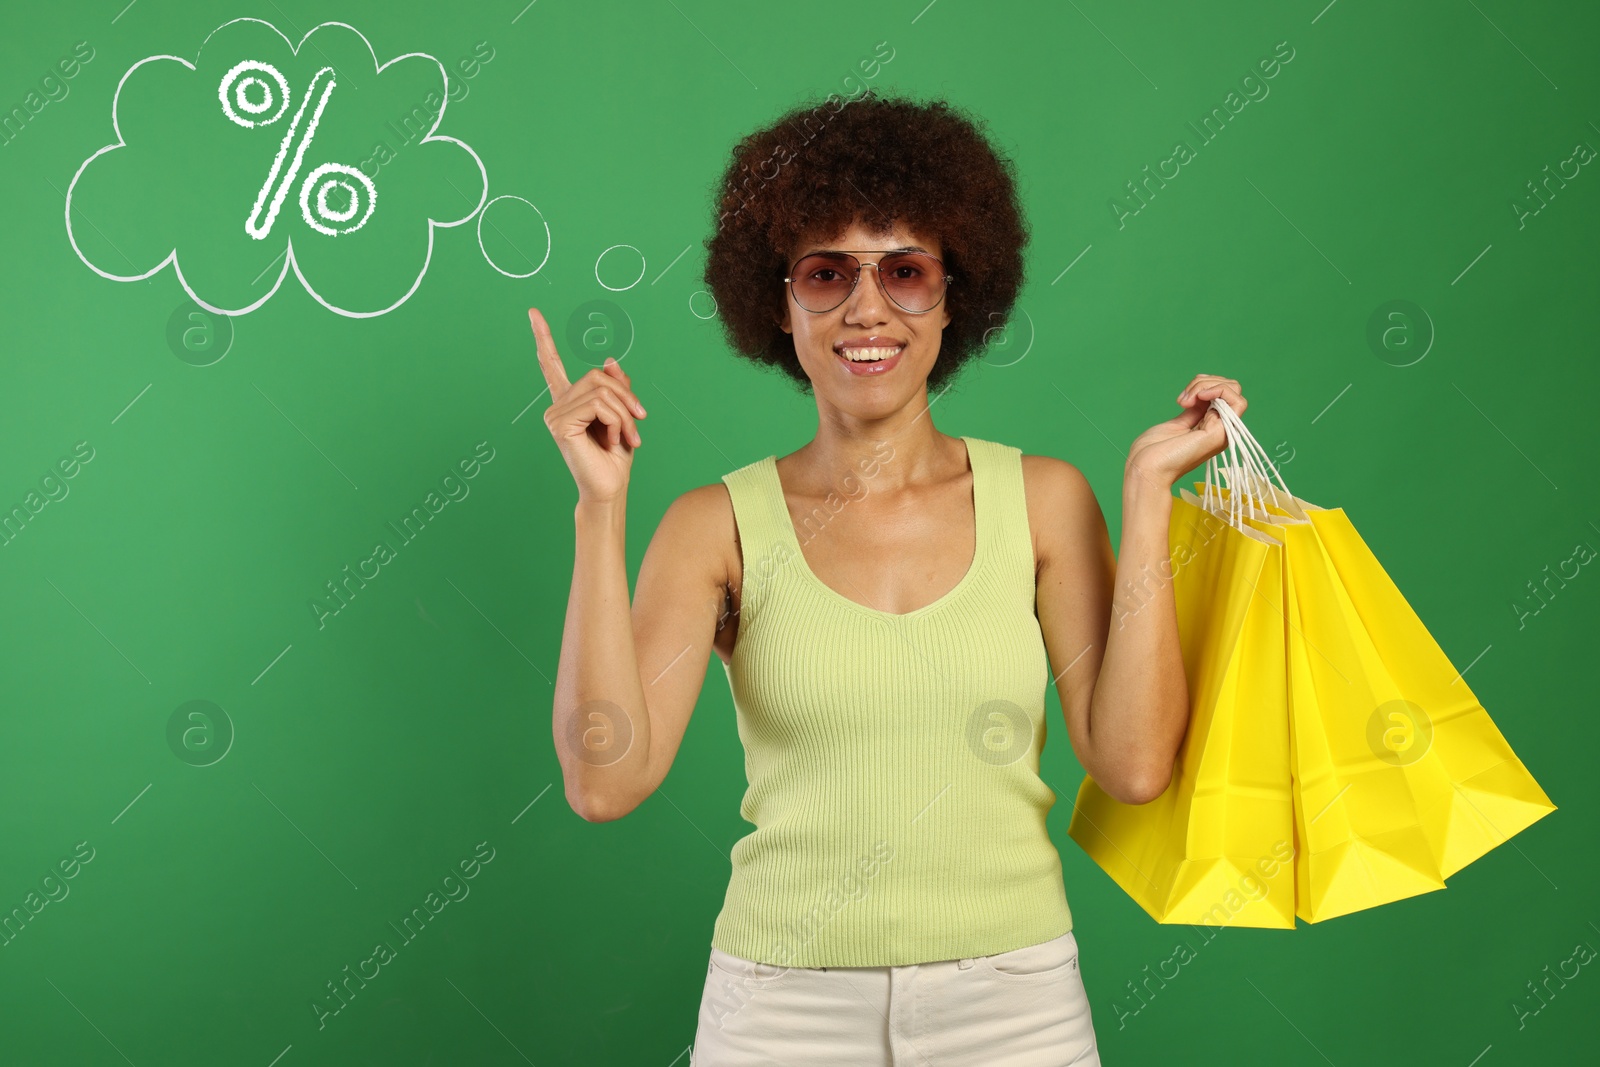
(555, 375)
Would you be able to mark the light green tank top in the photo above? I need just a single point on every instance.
(892, 760)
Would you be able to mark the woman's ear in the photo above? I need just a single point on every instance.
(781, 317)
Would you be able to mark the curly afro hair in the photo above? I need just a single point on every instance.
(927, 165)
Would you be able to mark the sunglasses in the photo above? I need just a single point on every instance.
(915, 281)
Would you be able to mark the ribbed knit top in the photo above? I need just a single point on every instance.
(892, 760)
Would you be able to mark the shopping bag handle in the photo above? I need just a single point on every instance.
(1245, 473)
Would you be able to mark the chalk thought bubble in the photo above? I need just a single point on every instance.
(262, 157)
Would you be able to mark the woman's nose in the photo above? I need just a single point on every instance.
(875, 289)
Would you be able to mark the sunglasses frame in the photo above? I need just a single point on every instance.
(856, 280)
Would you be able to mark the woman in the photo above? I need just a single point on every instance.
(899, 900)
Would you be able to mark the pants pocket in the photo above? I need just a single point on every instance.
(745, 971)
(1048, 959)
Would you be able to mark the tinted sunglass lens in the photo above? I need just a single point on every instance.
(915, 281)
(822, 282)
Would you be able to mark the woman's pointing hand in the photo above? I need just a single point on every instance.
(591, 420)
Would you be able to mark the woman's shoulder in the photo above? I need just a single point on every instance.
(1053, 484)
(1062, 509)
(702, 511)
(1047, 476)
(698, 530)
(1053, 474)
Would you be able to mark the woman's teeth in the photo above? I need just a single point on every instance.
(868, 355)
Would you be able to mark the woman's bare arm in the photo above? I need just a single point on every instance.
(1121, 681)
(629, 676)
(629, 672)
(1120, 676)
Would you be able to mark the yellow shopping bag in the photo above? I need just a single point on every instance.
(1493, 796)
(1363, 800)
(1217, 846)
(1400, 776)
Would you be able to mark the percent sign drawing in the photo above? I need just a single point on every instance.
(244, 90)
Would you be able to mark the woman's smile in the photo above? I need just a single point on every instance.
(870, 355)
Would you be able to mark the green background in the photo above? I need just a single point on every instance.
(373, 753)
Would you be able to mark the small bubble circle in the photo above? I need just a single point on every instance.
(619, 288)
(711, 312)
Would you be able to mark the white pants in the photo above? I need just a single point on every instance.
(1023, 1008)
